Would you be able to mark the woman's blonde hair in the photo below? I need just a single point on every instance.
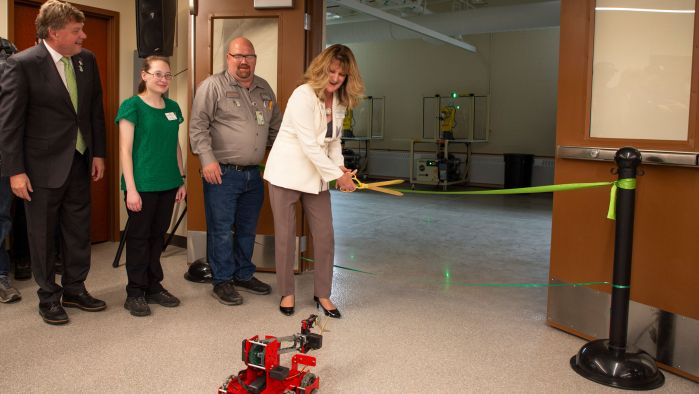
(317, 74)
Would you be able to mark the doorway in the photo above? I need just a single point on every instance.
(102, 29)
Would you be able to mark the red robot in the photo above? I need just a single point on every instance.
(264, 373)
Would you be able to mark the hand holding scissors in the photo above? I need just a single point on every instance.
(345, 182)
(375, 186)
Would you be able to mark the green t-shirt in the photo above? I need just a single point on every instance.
(154, 151)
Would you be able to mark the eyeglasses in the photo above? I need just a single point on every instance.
(160, 75)
(239, 58)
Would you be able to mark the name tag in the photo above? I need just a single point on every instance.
(260, 118)
(170, 116)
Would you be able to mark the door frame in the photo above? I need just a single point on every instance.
(111, 81)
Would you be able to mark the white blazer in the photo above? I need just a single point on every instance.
(302, 158)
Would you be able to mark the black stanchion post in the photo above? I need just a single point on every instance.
(120, 249)
(610, 361)
(627, 162)
(174, 230)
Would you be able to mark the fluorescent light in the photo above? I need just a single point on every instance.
(644, 10)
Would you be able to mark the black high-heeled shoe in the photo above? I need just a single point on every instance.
(334, 313)
(286, 310)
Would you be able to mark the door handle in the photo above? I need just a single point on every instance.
(656, 157)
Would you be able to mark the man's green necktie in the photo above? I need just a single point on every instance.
(80, 145)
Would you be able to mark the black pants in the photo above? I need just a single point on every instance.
(20, 241)
(68, 208)
(144, 242)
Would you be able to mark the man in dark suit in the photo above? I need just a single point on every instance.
(52, 140)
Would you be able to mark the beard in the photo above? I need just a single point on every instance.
(243, 72)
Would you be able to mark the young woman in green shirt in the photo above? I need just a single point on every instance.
(151, 162)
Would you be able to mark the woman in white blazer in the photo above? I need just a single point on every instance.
(306, 155)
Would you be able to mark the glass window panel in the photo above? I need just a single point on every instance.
(641, 70)
(262, 32)
(361, 118)
(377, 117)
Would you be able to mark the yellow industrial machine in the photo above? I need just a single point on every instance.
(447, 122)
(348, 124)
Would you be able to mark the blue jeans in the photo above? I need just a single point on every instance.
(5, 222)
(232, 209)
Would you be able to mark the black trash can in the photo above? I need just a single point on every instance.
(518, 170)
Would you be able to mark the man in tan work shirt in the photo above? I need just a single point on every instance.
(234, 117)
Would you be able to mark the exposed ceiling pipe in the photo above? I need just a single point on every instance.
(473, 21)
(385, 16)
(415, 6)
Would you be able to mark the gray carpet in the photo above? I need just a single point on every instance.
(411, 327)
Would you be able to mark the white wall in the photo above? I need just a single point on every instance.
(517, 69)
(524, 88)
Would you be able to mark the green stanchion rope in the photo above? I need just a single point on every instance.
(525, 284)
(521, 190)
(343, 268)
(627, 184)
(489, 284)
(621, 287)
(353, 269)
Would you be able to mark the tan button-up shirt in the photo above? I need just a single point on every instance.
(231, 124)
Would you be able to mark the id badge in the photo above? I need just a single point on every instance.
(170, 116)
(260, 118)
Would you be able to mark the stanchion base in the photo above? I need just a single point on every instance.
(632, 370)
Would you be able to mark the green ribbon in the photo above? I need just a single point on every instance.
(627, 184)
(521, 190)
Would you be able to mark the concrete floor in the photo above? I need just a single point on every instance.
(411, 326)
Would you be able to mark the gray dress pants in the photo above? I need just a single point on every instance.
(318, 213)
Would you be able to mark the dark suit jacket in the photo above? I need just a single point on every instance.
(38, 124)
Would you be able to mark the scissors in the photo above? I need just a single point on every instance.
(376, 186)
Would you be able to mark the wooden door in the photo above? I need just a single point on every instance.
(665, 267)
(292, 47)
(100, 27)
(290, 58)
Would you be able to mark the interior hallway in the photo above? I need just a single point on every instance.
(411, 327)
